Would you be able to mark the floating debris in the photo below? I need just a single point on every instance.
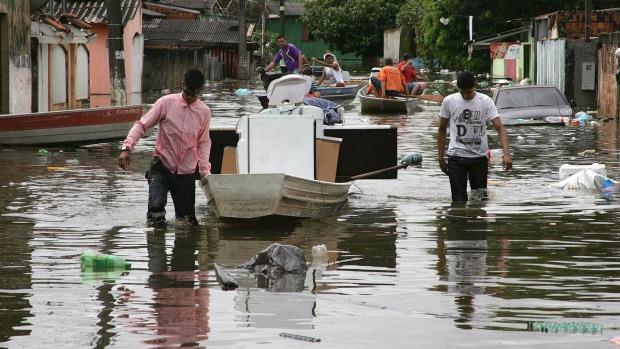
(568, 327)
(300, 338)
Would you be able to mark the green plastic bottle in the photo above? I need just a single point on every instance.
(92, 259)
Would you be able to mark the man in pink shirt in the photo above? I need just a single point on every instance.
(183, 146)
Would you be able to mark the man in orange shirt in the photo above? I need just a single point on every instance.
(390, 82)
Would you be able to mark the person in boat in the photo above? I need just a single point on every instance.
(390, 82)
(314, 88)
(467, 113)
(413, 78)
(331, 71)
(290, 54)
(181, 150)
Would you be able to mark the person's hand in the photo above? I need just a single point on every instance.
(507, 162)
(314, 59)
(124, 159)
(443, 165)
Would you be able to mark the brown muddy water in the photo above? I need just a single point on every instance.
(406, 269)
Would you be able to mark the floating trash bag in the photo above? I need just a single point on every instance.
(585, 179)
(278, 259)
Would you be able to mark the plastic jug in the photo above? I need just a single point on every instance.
(92, 259)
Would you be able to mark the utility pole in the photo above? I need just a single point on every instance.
(242, 67)
(587, 20)
(116, 53)
(262, 31)
(282, 17)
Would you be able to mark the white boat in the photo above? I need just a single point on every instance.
(283, 164)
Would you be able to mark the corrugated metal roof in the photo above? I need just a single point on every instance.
(192, 4)
(96, 11)
(291, 8)
(174, 30)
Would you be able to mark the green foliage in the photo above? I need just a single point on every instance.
(445, 46)
(271, 44)
(351, 26)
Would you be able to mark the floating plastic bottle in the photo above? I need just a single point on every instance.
(412, 158)
(567, 327)
(319, 251)
(92, 259)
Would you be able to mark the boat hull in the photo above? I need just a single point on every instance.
(339, 93)
(374, 105)
(78, 126)
(246, 196)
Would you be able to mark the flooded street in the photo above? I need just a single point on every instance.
(406, 269)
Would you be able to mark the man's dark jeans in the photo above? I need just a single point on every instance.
(460, 169)
(182, 188)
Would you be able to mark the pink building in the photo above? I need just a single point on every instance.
(94, 12)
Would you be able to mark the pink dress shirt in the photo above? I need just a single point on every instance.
(183, 139)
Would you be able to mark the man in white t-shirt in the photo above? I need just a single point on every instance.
(467, 112)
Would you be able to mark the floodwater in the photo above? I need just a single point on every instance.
(406, 269)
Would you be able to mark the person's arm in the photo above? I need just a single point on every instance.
(404, 66)
(138, 130)
(503, 139)
(320, 62)
(404, 84)
(441, 144)
(204, 148)
(276, 60)
(323, 77)
(383, 89)
(301, 61)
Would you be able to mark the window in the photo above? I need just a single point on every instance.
(81, 73)
(59, 75)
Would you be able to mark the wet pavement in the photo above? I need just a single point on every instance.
(405, 269)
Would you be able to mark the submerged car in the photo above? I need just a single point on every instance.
(528, 105)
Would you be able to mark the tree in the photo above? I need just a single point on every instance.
(445, 44)
(352, 26)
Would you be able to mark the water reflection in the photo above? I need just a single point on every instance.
(462, 249)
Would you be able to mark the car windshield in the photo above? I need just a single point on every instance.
(529, 97)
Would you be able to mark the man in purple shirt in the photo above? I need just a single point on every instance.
(293, 59)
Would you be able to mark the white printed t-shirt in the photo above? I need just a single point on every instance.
(468, 123)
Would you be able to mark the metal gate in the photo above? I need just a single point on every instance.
(550, 63)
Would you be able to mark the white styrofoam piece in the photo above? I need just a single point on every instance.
(567, 170)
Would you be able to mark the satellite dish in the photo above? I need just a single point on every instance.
(444, 20)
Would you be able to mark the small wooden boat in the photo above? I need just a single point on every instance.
(78, 126)
(374, 105)
(282, 164)
(339, 93)
(260, 195)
